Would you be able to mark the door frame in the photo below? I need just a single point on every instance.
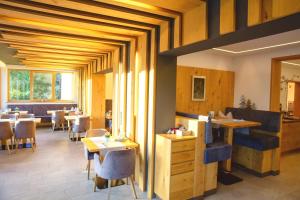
(275, 81)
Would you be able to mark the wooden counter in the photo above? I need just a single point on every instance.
(290, 135)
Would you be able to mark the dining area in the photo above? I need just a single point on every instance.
(17, 129)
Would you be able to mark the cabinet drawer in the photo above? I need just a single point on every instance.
(182, 167)
(181, 186)
(183, 145)
(182, 157)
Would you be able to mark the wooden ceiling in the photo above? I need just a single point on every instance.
(74, 33)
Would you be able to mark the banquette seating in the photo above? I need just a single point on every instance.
(257, 149)
(40, 109)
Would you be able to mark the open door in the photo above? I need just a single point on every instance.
(297, 100)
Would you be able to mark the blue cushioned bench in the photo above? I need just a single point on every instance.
(253, 149)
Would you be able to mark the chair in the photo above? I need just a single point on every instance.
(118, 164)
(88, 155)
(215, 151)
(8, 116)
(26, 116)
(81, 125)
(25, 130)
(6, 133)
(58, 119)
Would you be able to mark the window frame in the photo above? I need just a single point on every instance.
(31, 73)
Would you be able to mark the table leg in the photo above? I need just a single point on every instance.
(228, 139)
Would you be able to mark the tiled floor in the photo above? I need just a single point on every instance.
(56, 171)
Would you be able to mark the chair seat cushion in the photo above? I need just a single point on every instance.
(217, 152)
(257, 141)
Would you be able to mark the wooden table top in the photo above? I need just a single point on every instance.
(234, 123)
(96, 144)
(13, 121)
(49, 112)
(74, 117)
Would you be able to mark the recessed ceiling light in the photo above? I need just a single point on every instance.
(256, 49)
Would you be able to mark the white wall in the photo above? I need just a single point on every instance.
(206, 60)
(253, 76)
(252, 72)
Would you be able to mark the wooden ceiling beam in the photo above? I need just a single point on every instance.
(44, 47)
(62, 61)
(107, 20)
(51, 67)
(53, 63)
(22, 24)
(5, 28)
(53, 56)
(124, 9)
(62, 42)
(49, 51)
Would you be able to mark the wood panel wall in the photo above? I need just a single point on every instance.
(98, 101)
(219, 90)
(260, 11)
(227, 16)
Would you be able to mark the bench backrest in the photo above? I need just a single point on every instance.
(270, 120)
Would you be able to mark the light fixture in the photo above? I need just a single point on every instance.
(256, 49)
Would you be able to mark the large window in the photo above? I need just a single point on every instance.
(30, 85)
(19, 85)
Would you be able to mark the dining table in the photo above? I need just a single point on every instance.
(104, 144)
(229, 125)
(50, 112)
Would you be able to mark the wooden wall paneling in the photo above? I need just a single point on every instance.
(267, 10)
(164, 36)
(130, 125)
(254, 12)
(151, 116)
(275, 85)
(123, 88)
(115, 107)
(219, 90)
(195, 24)
(281, 8)
(98, 101)
(178, 22)
(142, 103)
(199, 171)
(227, 16)
(290, 139)
(297, 100)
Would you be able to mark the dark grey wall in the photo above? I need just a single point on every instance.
(165, 93)
(6, 55)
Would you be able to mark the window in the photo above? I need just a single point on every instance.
(42, 86)
(19, 85)
(63, 86)
(30, 85)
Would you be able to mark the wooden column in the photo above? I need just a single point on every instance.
(98, 101)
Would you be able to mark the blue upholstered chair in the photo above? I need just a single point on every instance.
(118, 164)
(215, 151)
(58, 119)
(25, 130)
(81, 125)
(88, 155)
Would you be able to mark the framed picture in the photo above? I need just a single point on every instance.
(198, 88)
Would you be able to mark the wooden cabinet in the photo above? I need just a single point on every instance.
(174, 166)
(290, 138)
